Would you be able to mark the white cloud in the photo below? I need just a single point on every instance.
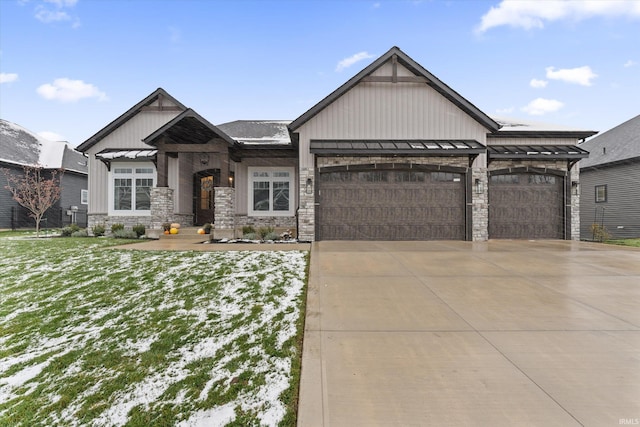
(507, 110)
(8, 77)
(630, 63)
(51, 136)
(538, 84)
(348, 62)
(579, 75)
(540, 106)
(67, 90)
(528, 14)
(54, 11)
(47, 15)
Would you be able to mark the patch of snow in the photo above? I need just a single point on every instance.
(219, 416)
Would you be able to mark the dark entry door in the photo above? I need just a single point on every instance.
(526, 206)
(203, 195)
(391, 205)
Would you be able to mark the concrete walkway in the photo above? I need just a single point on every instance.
(500, 333)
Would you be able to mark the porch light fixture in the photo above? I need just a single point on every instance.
(230, 181)
(575, 187)
(204, 159)
(479, 186)
(309, 186)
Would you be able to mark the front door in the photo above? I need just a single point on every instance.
(203, 195)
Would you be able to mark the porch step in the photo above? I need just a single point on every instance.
(186, 233)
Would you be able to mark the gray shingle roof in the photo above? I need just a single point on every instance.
(615, 145)
(258, 131)
(22, 147)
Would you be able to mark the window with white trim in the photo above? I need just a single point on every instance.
(130, 188)
(84, 197)
(271, 191)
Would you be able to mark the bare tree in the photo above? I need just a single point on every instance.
(34, 191)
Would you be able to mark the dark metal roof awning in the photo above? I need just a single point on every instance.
(107, 157)
(411, 147)
(570, 152)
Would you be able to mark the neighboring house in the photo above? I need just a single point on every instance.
(392, 154)
(20, 147)
(610, 182)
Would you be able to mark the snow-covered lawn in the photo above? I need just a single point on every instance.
(104, 337)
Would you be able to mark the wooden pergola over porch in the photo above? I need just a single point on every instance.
(191, 133)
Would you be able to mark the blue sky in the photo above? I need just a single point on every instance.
(69, 67)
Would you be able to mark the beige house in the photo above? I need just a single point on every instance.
(392, 154)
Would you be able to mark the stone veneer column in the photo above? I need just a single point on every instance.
(306, 210)
(574, 176)
(224, 213)
(480, 206)
(161, 206)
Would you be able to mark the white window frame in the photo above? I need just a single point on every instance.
(113, 174)
(84, 197)
(291, 179)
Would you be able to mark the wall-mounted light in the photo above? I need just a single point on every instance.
(230, 181)
(575, 187)
(204, 159)
(309, 186)
(479, 186)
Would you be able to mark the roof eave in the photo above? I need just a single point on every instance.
(578, 134)
(105, 131)
(405, 60)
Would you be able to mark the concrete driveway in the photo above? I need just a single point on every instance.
(499, 333)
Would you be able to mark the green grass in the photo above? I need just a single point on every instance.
(625, 242)
(90, 335)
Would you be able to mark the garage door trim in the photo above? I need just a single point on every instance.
(544, 171)
(465, 171)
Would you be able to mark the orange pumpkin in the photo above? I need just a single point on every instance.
(200, 230)
(166, 231)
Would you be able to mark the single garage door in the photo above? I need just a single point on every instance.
(526, 206)
(391, 205)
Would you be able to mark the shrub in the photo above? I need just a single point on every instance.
(80, 233)
(248, 229)
(207, 228)
(98, 230)
(125, 234)
(166, 226)
(264, 231)
(600, 233)
(69, 230)
(250, 236)
(272, 236)
(117, 227)
(139, 229)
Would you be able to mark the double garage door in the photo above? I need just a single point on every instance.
(391, 205)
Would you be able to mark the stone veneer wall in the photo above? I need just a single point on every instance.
(575, 204)
(306, 207)
(224, 213)
(162, 207)
(479, 206)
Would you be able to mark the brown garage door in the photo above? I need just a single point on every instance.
(526, 206)
(391, 205)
